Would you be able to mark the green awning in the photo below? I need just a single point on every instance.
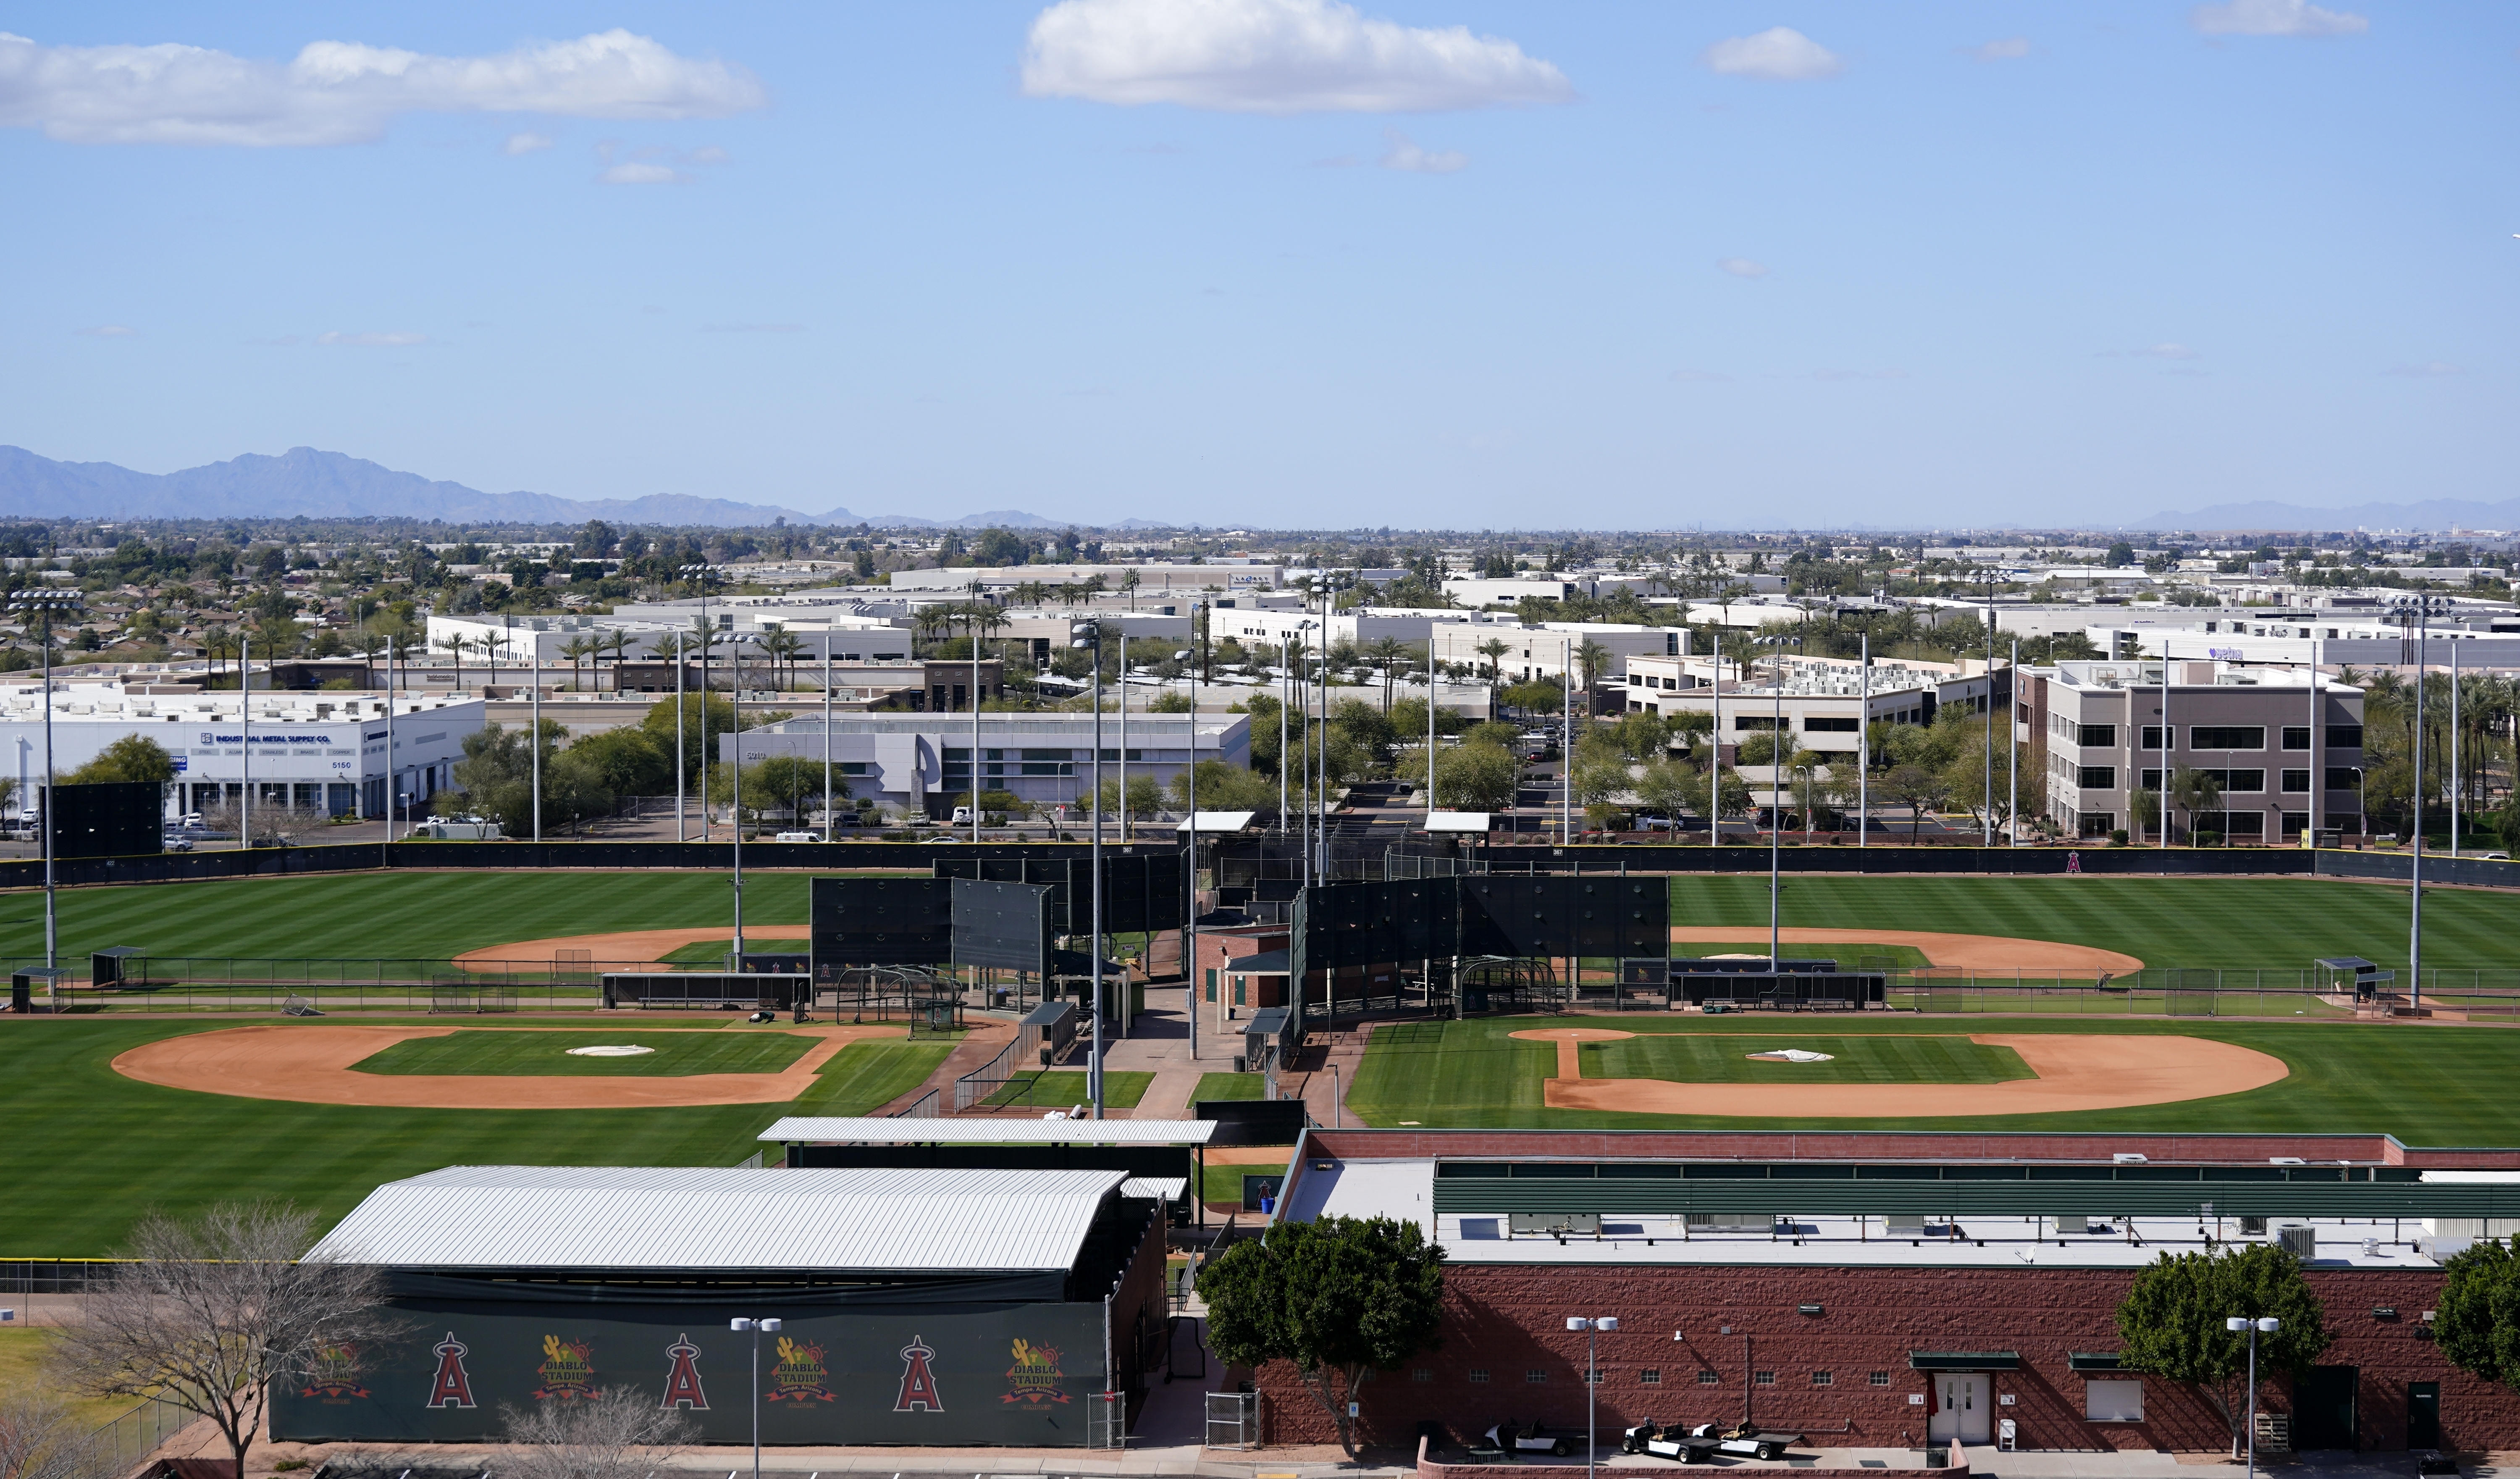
(2090, 1361)
(1964, 1360)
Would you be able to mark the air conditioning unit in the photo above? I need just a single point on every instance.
(2299, 1242)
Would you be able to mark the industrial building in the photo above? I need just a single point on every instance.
(920, 763)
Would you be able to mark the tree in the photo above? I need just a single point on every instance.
(2171, 1322)
(1226, 788)
(1388, 654)
(1914, 788)
(2478, 1324)
(1669, 788)
(788, 783)
(623, 1433)
(1474, 776)
(42, 1438)
(133, 757)
(2193, 791)
(1340, 1295)
(207, 1314)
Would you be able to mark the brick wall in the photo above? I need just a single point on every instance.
(1509, 1322)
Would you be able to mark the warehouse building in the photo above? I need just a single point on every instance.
(920, 764)
(1893, 1290)
(917, 1306)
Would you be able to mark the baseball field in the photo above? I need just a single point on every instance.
(91, 1147)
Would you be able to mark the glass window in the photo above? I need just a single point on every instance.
(2344, 778)
(1596, 1375)
(2151, 737)
(2112, 1401)
(1824, 1378)
(2345, 736)
(1478, 1373)
(1825, 724)
(1650, 1376)
(2296, 737)
(2227, 737)
(1422, 1373)
(1535, 1377)
(1764, 1379)
(2296, 782)
(2096, 734)
(2097, 777)
(1707, 1379)
(1877, 1379)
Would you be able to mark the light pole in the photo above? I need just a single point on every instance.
(1093, 1064)
(1591, 1326)
(756, 1326)
(2266, 1324)
(45, 606)
(2418, 608)
(698, 575)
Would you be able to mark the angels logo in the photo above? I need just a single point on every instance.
(799, 1376)
(918, 1380)
(452, 1387)
(1035, 1375)
(682, 1382)
(334, 1374)
(568, 1368)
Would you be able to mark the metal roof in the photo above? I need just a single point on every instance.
(992, 1132)
(1155, 1188)
(699, 1218)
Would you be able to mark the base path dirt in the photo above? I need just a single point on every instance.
(312, 1066)
(620, 949)
(2075, 1072)
(1969, 952)
(1570, 1065)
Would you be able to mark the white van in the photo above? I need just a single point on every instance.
(798, 837)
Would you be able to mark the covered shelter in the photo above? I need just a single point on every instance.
(1171, 1153)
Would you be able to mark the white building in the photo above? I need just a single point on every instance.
(324, 750)
(997, 580)
(918, 763)
(1544, 651)
(1358, 626)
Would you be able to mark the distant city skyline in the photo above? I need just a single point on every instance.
(1284, 263)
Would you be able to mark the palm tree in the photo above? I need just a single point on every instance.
(458, 646)
(1130, 583)
(782, 646)
(1387, 652)
(1494, 651)
(578, 649)
(219, 646)
(1592, 657)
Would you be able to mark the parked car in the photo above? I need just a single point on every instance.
(176, 844)
(798, 837)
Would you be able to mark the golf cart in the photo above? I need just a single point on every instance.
(1650, 1437)
(1535, 1439)
(1747, 1439)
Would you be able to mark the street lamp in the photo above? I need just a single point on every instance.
(2266, 1324)
(2420, 610)
(1094, 1065)
(45, 605)
(756, 1326)
(1591, 1326)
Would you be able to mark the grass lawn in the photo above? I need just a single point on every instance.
(1229, 1086)
(90, 1150)
(863, 1077)
(24, 1353)
(1722, 1057)
(674, 1055)
(1849, 956)
(2427, 1086)
(1061, 1088)
(2227, 923)
(1224, 1184)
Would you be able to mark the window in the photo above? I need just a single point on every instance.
(2343, 778)
(2296, 782)
(2296, 737)
(2095, 734)
(2097, 777)
(2152, 779)
(2227, 737)
(1535, 1376)
(2244, 824)
(1422, 1373)
(1825, 724)
(2112, 1401)
(1707, 1379)
(2240, 780)
(1877, 1379)
(1479, 1374)
(2295, 823)
(2345, 736)
(1650, 1376)
(1112, 754)
(2097, 823)
(1764, 1379)
(1596, 1375)
(1754, 721)
(1824, 1378)
(856, 767)
(2151, 737)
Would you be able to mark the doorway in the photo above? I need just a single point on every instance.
(1960, 1409)
(2423, 1414)
(2322, 1407)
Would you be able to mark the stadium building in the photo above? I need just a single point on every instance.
(917, 1306)
(1888, 1290)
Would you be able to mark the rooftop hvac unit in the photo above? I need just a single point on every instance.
(2299, 1242)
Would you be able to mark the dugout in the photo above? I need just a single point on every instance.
(1163, 1158)
(921, 1305)
(706, 990)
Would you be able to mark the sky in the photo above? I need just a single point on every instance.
(1284, 263)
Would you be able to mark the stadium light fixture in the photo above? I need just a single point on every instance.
(1591, 1326)
(2417, 611)
(46, 604)
(2266, 1324)
(756, 1326)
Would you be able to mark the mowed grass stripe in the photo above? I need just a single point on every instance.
(2265, 923)
(2425, 1084)
(1066, 1088)
(1724, 1058)
(864, 1077)
(670, 1055)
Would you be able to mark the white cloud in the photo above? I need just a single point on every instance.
(2274, 18)
(2009, 49)
(1742, 267)
(2168, 352)
(398, 339)
(343, 92)
(1780, 54)
(526, 143)
(1274, 56)
(107, 331)
(2431, 371)
(1400, 152)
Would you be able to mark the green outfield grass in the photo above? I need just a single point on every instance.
(1849, 956)
(1229, 1086)
(1061, 1088)
(2227, 923)
(675, 1054)
(2427, 1086)
(1224, 1184)
(864, 1077)
(1722, 1057)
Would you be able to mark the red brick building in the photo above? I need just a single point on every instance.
(1881, 1290)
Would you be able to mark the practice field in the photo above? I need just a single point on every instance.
(1854, 955)
(668, 1054)
(1725, 1058)
(1061, 1088)
(2426, 1085)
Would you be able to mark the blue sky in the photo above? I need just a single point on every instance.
(1281, 262)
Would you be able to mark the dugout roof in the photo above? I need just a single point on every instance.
(687, 1219)
(990, 1131)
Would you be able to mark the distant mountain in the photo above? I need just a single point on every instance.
(333, 485)
(2439, 514)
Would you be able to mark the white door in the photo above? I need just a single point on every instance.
(1960, 1408)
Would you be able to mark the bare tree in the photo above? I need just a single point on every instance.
(207, 1314)
(40, 1439)
(618, 1434)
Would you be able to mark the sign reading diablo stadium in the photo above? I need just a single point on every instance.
(904, 1373)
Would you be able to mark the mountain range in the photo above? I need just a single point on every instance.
(2432, 515)
(335, 486)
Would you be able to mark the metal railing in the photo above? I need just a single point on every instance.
(121, 1445)
(921, 1107)
(990, 1077)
